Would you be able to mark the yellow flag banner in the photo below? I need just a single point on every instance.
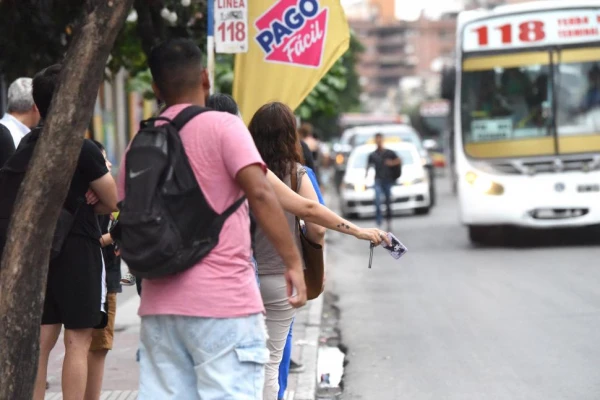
(292, 44)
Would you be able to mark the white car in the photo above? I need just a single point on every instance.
(410, 192)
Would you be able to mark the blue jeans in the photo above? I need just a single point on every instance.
(202, 358)
(383, 189)
(255, 264)
(284, 366)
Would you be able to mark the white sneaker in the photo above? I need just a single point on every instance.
(128, 280)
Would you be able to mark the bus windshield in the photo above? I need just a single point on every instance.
(531, 104)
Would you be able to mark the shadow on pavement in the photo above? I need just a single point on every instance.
(521, 238)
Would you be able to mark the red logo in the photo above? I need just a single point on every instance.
(293, 32)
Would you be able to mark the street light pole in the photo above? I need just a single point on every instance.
(210, 44)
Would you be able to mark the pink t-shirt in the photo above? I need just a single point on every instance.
(223, 284)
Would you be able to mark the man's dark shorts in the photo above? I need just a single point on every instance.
(73, 294)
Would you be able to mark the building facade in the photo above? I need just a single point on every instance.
(397, 51)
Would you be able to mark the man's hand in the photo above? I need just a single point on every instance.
(393, 163)
(92, 198)
(296, 287)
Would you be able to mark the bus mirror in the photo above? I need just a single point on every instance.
(448, 83)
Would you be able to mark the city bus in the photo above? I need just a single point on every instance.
(526, 115)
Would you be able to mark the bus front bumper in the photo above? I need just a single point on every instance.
(534, 202)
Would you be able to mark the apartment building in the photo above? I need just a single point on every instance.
(397, 50)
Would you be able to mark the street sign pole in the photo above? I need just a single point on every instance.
(210, 44)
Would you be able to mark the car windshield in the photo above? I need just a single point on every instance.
(359, 159)
(511, 105)
(402, 136)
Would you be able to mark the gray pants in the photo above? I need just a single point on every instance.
(280, 315)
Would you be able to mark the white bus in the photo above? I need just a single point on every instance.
(527, 116)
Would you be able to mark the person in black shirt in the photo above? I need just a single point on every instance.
(7, 145)
(383, 159)
(74, 291)
(102, 339)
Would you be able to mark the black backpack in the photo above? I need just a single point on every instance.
(395, 172)
(166, 224)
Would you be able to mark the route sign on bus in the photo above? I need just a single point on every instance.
(533, 29)
(231, 26)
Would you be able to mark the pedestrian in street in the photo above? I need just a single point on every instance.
(74, 295)
(102, 339)
(384, 161)
(202, 332)
(21, 112)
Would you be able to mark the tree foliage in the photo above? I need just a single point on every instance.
(36, 33)
(339, 90)
(25, 257)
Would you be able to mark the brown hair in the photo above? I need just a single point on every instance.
(273, 129)
(305, 130)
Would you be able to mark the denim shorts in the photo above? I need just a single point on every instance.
(194, 358)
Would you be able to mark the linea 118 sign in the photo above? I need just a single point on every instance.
(231, 23)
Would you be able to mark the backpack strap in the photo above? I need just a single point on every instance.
(232, 208)
(186, 115)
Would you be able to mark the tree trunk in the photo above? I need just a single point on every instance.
(25, 260)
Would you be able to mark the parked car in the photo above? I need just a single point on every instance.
(410, 192)
(392, 133)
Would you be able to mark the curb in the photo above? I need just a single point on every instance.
(306, 387)
(307, 383)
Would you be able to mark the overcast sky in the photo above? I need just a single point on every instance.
(410, 9)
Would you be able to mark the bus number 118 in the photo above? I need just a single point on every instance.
(529, 31)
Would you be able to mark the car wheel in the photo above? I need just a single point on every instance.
(479, 234)
(432, 189)
(422, 210)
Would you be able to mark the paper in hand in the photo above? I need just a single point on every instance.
(397, 249)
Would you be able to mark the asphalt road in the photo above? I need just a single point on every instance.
(454, 322)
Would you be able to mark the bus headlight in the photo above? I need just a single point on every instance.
(483, 184)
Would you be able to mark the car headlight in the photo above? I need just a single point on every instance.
(357, 187)
(339, 159)
(408, 182)
(483, 184)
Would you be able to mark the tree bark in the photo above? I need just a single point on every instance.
(26, 256)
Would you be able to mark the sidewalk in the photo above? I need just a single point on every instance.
(121, 376)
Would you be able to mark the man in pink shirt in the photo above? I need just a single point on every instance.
(203, 333)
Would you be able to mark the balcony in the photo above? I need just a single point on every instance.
(396, 72)
(391, 59)
(393, 41)
(375, 90)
